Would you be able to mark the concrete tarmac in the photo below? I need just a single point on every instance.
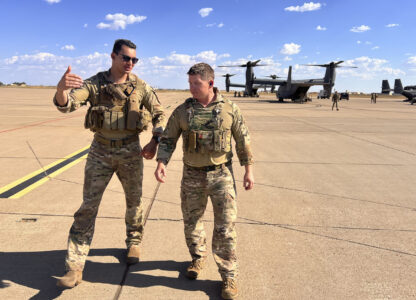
(332, 214)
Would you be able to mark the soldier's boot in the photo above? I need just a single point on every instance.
(70, 279)
(229, 288)
(133, 255)
(195, 268)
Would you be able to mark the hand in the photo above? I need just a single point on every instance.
(248, 182)
(69, 81)
(149, 150)
(160, 172)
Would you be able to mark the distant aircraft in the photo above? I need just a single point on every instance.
(408, 91)
(290, 89)
(250, 89)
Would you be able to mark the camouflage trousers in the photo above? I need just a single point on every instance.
(219, 185)
(102, 162)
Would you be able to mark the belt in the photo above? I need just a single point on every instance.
(212, 167)
(116, 143)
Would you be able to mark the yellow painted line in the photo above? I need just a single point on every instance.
(35, 179)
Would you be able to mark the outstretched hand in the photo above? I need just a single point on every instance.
(69, 81)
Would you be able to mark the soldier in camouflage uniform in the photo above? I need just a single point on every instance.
(121, 105)
(335, 99)
(207, 123)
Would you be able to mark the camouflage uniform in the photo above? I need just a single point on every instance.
(206, 134)
(115, 148)
(335, 98)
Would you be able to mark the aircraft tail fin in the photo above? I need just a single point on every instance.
(398, 87)
(289, 78)
(385, 87)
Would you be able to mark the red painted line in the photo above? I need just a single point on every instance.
(39, 123)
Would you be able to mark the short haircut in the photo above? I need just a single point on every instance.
(120, 42)
(202, 69)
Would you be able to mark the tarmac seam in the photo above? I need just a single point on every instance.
(251, 222)
(354, 137)
(40, 123)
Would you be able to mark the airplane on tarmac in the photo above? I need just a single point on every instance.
(296, 90)
(255, 87)
(408, 91)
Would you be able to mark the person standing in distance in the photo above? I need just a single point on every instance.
(207, 123)
(335, 99)
(121, 105)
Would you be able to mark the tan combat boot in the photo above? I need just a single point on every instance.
(196, 266)
(133, 255)
(229, 288)
(70, 279)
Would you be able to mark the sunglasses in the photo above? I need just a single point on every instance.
(127, 58)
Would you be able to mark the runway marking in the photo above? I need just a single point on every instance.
(35, 179)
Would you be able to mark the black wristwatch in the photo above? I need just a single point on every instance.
(156, 138)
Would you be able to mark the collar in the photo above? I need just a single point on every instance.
(107, 76)
(219, 98)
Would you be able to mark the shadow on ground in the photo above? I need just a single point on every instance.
(35, 270)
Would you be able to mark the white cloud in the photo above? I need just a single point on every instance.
(358, 42)
(204, 12)
(368, 43)
(305, 7)
(375, 48)
(85, 25)
(181, 59)
(207, 56)
(319, 27)
(290, 49)
(369, 68)
(392, 25)
(52, 1)
(120, 21)
(155, 60)
(412, 60)
(215, 24)
(68, 47)
(359, 29)
(223, 55)
(287, 58)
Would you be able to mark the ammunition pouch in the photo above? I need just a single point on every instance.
(207, 141)
(137, 118)
(102, 117)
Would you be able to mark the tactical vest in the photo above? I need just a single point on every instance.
(117, 107)
(206, 133)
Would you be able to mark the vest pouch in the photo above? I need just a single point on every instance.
(226, 141)
(88, 120)
(192, 141)
(218, 141)
(144, 119)
(205, 141)
(121, 121)
(94, 118)
(132, 114)
(107, 120)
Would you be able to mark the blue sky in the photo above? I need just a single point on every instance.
(41, 37)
